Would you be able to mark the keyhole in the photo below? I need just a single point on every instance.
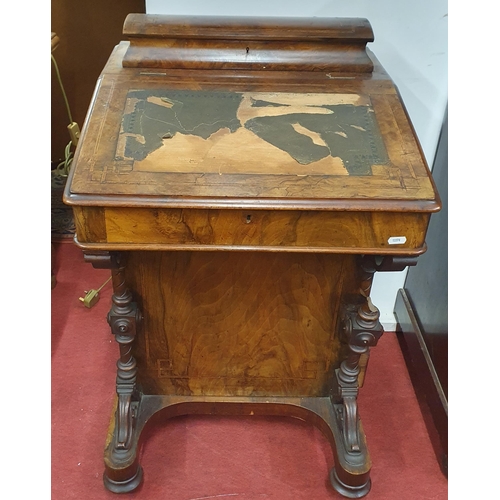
(249, 219)
(248, 50)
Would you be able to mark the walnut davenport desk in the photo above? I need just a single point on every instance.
(243, 179)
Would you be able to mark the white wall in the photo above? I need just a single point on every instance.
(410, 42)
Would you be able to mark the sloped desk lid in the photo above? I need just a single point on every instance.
(219, 136)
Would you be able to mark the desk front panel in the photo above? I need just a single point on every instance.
(278, 230)
(239, 323)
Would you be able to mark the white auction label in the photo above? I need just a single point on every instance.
(396, 240)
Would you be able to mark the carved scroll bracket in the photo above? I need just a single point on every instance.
(123, 318)
(361, 330)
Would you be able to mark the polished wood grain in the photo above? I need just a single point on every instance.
(90, 223)
(248, 55)
(238, 323)
(258, 229)
(247, 43)
(247, 28)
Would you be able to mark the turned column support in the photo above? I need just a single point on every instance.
(123, 319)
(361, 329)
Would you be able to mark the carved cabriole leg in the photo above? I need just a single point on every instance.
(123, 472)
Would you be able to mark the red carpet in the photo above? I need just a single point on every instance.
(221, 458)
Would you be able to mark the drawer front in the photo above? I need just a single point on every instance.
(272, 230)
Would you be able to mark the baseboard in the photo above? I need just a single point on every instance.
(389, 324)
(432, 400)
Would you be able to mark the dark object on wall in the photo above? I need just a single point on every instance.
(422, 314)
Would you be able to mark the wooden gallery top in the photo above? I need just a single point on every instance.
(249, 134)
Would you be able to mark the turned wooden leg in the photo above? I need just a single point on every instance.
(123, 472)
(122, 319)
(361, 330)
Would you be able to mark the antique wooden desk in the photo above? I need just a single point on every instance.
(244, 179)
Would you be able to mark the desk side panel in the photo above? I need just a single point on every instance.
(238, 324)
